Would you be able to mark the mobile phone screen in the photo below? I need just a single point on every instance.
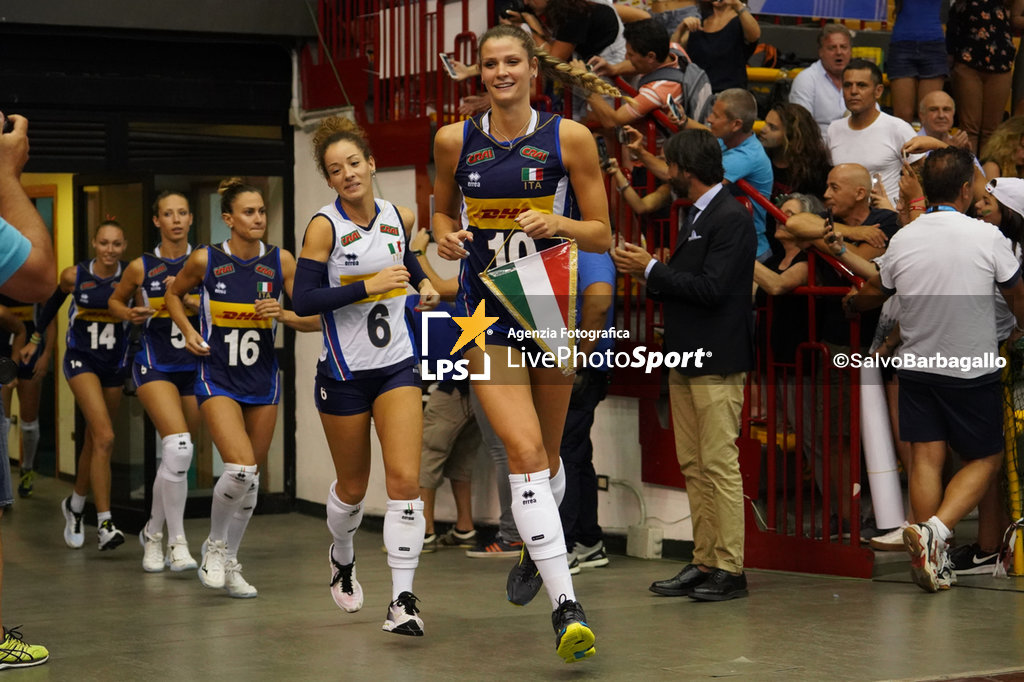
(674, 108)
(602, 151)
(448, 66)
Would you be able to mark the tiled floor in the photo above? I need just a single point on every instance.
(104, 619)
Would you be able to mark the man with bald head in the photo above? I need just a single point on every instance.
(936, 111)
(866, 230)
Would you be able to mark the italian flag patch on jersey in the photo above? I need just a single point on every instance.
(535, 174)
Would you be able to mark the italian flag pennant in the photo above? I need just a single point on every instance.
(533, 174)
(539, 291)
(264, 288)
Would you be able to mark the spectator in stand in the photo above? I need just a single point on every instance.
(670, 13)
(869, 137)
(800, 159)
(867, 231)
(647, 54)
(819, 87)
(953, 315)
(721, 42)
(936, 112)
(916, 62)
(1003, 153)
(980, 40)
(732, 122)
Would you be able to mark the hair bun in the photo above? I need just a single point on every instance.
(229, 183)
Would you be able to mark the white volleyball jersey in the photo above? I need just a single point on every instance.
(371, 336)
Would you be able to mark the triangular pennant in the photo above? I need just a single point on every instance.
(539, 291)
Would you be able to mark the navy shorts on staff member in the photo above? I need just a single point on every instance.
(967, 414)
(355, 396)
(77, 362)
(185, 382)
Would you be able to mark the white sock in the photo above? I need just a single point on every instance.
(29, 444)
(155, 524)
(403, 537)
(944, 532)
(77, 502)
(172, 479)
(343, 521)
(102, 516)
(240, 519)
(540, 527)
(228, 496)
(558, 483)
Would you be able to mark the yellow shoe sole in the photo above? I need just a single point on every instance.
(576, 643)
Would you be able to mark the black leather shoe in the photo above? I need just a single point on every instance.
(682, 584)
(721, 585)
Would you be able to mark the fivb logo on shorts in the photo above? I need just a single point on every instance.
(473, 329)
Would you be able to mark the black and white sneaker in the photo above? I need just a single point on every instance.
(591, 557)
(971, 560)
(574, 640)
(108, 536)
(402, 618)
(524, 581)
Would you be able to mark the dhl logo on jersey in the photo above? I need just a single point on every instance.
(349, 279)
(500, 214)
(91, 315)
(224, 314)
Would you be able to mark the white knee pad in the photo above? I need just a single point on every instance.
(249, 500)
(403, 532)
(558, 483)
(176, 457)
(536, 514)
(234, 483)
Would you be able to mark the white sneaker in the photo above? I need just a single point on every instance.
(152, 551)
(345, 589)
(929, 566)
(889, 542)
(235, 584)
(74, 535)
(108, 536)
(402, 618)
(215, 556)
(178, 557)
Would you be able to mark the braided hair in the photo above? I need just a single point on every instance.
(552, 66)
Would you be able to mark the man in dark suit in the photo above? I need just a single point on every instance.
(706, 289)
